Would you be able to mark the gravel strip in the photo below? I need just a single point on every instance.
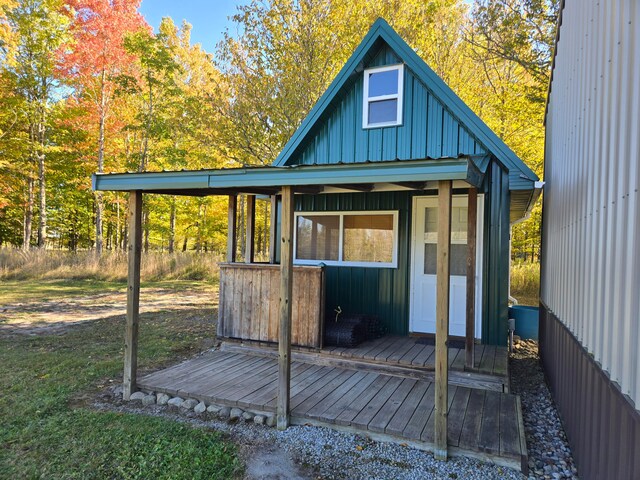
(549, 451)
(305, 452)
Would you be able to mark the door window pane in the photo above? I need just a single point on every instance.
(368, 238)
(458, 265)
(431, 224)
(459, 225)
(383, 111)
(430, 251)
(317, 237)
(383, 83)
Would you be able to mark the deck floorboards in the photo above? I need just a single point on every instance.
(482, 423)
(490, 360)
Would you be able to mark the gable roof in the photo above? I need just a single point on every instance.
(521, 176)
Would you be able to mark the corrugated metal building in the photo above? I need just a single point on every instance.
(590, 294)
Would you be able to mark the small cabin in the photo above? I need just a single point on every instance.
(391, 210)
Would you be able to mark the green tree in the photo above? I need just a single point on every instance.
(518, 31)
(513, 41)
(39, 28)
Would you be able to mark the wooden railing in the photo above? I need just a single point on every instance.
(249, 303)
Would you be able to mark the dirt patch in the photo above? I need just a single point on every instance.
(270, 462)
(57, 316)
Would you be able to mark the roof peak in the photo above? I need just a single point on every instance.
(381, 30)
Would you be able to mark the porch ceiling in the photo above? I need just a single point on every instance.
(398, 175)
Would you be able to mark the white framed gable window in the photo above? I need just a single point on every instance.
(363, 239)
(382, 99)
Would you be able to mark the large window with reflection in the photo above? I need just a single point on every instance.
(368, 239)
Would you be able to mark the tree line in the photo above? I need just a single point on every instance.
(87, 86)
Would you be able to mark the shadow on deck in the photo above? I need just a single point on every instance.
(374, 401)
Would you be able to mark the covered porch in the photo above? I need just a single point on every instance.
(426, 406)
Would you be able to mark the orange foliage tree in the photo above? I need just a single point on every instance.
(93, 62)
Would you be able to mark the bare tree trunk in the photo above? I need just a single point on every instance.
(172, 225)
(241, 228)
(98, 195)
(145, 220)
(117, 239)
(109, 236)
(40, 135)
(147, 132)
(42, 193)
(265, 231)
(125, 235)
(198, 226)
(28, 215)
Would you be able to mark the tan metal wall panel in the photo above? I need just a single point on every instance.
(591, 235)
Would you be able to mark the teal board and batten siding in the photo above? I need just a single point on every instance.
(495, 267)
(376, 291)
(429, 130)
(385, 292)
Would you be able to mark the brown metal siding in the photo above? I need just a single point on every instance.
(602, 424)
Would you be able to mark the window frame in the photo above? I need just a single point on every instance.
(340, 262)
(366, 99)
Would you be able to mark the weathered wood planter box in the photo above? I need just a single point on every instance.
(249, 303)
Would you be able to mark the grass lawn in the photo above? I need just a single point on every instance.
(48, 431)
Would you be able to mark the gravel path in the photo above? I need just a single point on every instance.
(549, 452)
(304, 452)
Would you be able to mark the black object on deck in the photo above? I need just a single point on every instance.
(352, 330)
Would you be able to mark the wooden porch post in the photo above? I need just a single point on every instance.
(133, 294)
(472, 218)
(286, 288)
(273, 224)
(250, 230)
(231, 228)
(442, 318)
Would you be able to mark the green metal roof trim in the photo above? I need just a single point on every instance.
(470, 169)
(382, 30)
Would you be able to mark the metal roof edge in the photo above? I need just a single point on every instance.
(370, 172)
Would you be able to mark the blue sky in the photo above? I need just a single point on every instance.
(208, 17)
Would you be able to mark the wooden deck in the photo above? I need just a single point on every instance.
(413, 351)
(482, 423)
(408, 356)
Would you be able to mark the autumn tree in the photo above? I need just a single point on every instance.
(517, 31)
(288, 52)
(135, 100)
(191, 121)
(93, 60)
(39, 28)
(513, 42)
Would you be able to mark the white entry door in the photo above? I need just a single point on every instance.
(423, 270)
